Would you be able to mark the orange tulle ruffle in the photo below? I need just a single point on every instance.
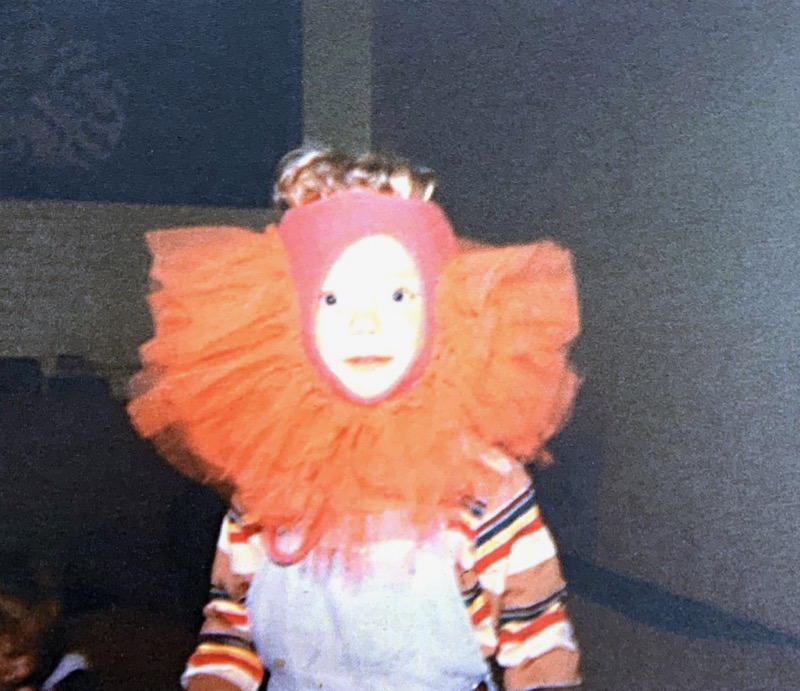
(228, 396)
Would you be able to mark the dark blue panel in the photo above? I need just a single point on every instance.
(185, 102)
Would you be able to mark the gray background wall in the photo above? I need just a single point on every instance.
(74, 277)
(660, 142)
(657, 140)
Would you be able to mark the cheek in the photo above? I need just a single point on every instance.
(408, 325)
(416, 317)
(328, 330)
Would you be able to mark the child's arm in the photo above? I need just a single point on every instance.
(519, 613)
(202, 682)
(225, 659)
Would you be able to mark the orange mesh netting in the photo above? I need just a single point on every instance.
(229, 397)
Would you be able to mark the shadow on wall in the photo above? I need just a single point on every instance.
(569, 490)
(652, 605)
(569, 495)
(120, 527)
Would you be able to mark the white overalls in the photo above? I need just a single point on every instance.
(402, 626)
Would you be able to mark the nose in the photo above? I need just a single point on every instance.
(364, 320)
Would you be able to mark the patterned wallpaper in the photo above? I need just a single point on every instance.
(187, 102)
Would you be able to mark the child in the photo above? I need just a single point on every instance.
(32, 656)
(366, 390)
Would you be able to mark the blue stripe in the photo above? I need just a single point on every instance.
(524, 503)
(530, 612)
(216, 593)
(472, 594)
(227, 640)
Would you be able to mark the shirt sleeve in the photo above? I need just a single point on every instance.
(225, 648)
(515, 592)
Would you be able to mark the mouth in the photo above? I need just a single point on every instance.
(368, 361)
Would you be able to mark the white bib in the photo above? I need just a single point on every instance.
(401, 626)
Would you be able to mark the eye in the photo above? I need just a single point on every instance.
(403, 295)
(329, 298)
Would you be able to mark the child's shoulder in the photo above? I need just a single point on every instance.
(516, 483)
(516, 488)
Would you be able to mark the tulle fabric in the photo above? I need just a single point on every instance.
(228, 396)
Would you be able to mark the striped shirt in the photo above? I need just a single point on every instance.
(506, 567)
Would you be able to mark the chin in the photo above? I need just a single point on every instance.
(369, 392)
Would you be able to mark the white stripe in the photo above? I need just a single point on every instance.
(530, 551)
(558, 635)
(239, 678)
(246, 558)
(486, 635)
(494, 578)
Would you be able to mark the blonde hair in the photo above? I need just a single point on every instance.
(311, 173)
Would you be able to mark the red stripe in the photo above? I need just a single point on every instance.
(463, 528)
(504, 549)
(202, 659)
(233, 617)
(239, 534)
(236, 536)
(480, 614)
(250, 529)
(538, 625)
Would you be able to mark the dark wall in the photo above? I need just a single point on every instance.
(113, 523)
(185, 102)
(660, 142)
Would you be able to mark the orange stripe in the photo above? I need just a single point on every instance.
(538, 625)
(204, 659)
(504, 549)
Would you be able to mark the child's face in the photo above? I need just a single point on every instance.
(369, 322)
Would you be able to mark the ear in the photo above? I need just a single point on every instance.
(18, 668)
